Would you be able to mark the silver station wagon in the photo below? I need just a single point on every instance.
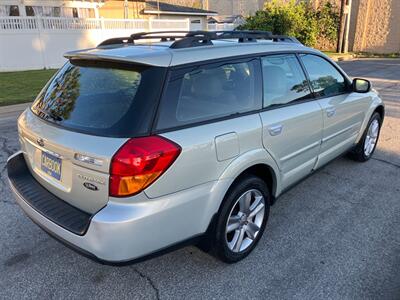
(159, 140)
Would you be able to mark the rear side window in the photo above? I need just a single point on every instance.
(325, 79)
(101, 99)
(204, 93)
(284, 80)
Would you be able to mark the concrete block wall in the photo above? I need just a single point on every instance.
(376, 26)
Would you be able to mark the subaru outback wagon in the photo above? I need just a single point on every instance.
(158, 140)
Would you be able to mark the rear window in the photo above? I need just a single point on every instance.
(101, 98)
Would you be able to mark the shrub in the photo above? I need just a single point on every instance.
(298, 19)
(327, 16)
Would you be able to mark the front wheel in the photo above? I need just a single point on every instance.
(366, 146)
(242, 219)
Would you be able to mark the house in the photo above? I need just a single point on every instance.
(50, 8)
(108, 9)
(224, 22)
(226, 19)
(197, 17)
(119, 9)
(141, 9)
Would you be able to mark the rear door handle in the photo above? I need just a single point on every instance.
(330, 112)
(275, 129)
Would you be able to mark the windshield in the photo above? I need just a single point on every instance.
(101, 98)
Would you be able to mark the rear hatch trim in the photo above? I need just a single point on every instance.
(44, 202)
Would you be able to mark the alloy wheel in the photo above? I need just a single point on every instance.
(245, 220)
(371, 138)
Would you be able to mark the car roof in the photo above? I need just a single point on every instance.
(160, 54)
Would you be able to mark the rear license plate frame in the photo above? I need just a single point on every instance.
(51, 165)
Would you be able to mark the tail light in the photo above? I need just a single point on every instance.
(139, 162)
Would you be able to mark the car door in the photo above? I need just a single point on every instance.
(343, 110)
(291, 118)
(211, 111)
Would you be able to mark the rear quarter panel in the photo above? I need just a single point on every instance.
(198, 162)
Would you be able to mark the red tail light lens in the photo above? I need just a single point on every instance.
(139, 162)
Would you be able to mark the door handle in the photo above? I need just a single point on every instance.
(275, 129)
(330, 112)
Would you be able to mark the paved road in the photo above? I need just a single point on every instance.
(336, 235)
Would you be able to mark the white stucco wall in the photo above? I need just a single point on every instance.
(25, 47)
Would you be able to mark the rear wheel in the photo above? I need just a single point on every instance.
(366, 146)
(242, 219)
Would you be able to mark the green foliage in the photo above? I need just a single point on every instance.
(298, 19)
(328, 20)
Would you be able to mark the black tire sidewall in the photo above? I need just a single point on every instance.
(221, 249)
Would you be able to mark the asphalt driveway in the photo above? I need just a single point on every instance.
(336, 235)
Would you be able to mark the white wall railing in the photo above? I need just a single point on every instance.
(48, 23)
(220, 27)
(35, 43)
(68, 23)
(13, 23)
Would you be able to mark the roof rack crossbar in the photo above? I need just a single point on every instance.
(115, 41)
(188, 39)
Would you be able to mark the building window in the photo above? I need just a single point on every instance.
(86, 13)
(56, 11)
(47, 11)
(9, 11)
(70, 12)
(43, 11)
(29, 11)
(3, 11)
(14, 11)
(32, 11)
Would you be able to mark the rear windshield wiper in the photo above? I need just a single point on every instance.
(54, 116)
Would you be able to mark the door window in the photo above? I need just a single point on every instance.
(284, 80)
(203, 93)
(325, 79)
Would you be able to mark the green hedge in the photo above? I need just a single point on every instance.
(298, 19)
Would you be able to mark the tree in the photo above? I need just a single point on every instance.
(296, 18)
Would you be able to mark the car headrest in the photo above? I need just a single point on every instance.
(208, 84)
(275, 80)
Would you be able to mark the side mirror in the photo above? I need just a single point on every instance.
(361, 85)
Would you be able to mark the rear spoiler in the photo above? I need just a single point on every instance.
(93, 54)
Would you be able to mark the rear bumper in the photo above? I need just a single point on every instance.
(58, 211)
(131, 228)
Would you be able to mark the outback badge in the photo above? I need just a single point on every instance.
(90, 186)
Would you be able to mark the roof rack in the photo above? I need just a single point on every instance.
(189, 39)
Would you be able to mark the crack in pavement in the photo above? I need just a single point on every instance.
(387, 162)
(150, 281)
(5, 147)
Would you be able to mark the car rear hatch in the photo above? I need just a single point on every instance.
(80, 119)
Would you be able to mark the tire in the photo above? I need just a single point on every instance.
(362, 152)
(249, 196)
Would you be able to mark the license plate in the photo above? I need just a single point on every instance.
(51, 165)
